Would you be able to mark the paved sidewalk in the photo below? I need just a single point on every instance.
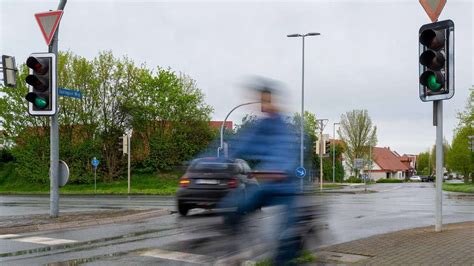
(42, 222)
(419, 246)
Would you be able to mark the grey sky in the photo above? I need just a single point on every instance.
(366, 56)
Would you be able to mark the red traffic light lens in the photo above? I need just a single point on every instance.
(433, 39)
(38, 67)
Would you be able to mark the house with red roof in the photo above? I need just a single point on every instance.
(388, 164)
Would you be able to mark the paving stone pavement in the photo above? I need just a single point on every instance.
(419, 246)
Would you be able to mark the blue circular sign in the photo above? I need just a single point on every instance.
(300, 172)
(95, 162)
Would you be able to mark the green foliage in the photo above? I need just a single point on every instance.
(327, 164)
(465, 188)
(389, 180)
(459, 158)
(166, 110)
(161, 184)
(423, 165)
(354, 179)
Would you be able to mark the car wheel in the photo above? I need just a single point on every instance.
(183, 209)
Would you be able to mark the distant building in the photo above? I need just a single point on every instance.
(409, 160)
(389, 164)
(218, 124)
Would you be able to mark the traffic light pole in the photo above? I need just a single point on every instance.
(128, 160)
(438, 106)
(54, 134)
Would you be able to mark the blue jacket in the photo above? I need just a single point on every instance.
(270, 142)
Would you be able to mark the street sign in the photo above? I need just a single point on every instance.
(63, 173)
(48, 22)
(69, 93)
(300, 172)
(433, 8)
(359, 163)
(95, 162)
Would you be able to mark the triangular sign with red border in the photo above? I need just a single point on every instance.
(48, 22)
(433, 8)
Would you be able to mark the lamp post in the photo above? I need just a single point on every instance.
(334, 152)
(302, 91)
(221, 147)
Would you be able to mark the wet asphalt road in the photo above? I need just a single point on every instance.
(173, 240)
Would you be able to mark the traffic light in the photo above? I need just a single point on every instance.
(42, 93)
(123, 144)
(9, 71)
(328, 147)
(436, 61)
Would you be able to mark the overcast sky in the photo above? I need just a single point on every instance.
(365, 58)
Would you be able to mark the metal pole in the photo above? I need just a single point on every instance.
(302, 113)
(334, 152)
(221, 147)
(128, 153)
(321, 155)
(54, 137)
(95, 180)
(439, 166)
(370, 161)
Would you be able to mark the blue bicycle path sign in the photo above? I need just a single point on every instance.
(95, 162)
(300, 172)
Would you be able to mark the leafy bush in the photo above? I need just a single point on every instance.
(390, 180)
(354, 179)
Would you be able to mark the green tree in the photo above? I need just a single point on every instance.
(459, 158)
(166, 110)
(358, 134)
(423, 165)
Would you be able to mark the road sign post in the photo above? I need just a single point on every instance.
(95, 163)
(54, 134)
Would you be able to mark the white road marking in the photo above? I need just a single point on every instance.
(44, 240)
(7, 236)
(177, 256)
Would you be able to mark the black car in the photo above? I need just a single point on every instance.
(427, 179)
(208, 180)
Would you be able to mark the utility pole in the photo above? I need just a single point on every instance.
(334, 152)
(322, 124)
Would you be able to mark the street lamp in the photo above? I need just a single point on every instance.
(302, 90)
(334, 151)
(221, 146)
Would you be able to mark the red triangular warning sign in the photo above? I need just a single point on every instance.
(49, 22)
(433, 8)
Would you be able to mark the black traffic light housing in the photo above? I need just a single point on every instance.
(436, 61)
(42, 95)
(328, 147)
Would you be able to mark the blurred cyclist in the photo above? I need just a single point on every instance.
(273, 145)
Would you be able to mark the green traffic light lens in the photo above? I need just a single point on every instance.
(41, 103)
(432, 83)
